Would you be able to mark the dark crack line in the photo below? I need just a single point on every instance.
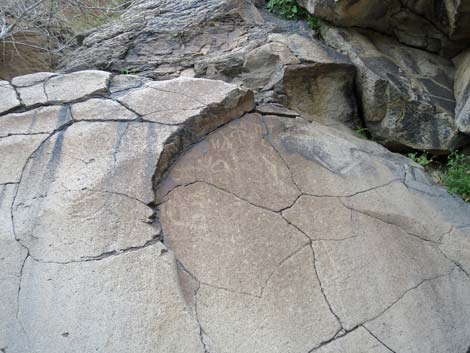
(404, 294)
(154, 240)
(339, 334)
(321, 288)
(18, 304)
(378, 340)
(454, 262)
(267, 137)
(25, 134)
(179, 94)
(390, 223)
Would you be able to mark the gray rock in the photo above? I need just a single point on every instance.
(123, 303)
(435, 313)
(85, 177)
(218, 230)
(31, 79)
(442, 29)
(462, 92)
(357, 341)
(43, 120)
(101, 110)
(406, 94)
(368, 252)
(16, 150)
(12, 257)
(214, 213)
(9, 99)
(76, 85)
(32, 95)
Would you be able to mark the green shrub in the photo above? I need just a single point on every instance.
(457, 177)
(291, 10)
(423, 159)
(362, 133)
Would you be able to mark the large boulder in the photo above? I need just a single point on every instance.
(406, 94)
(437, 26)
(170, 216)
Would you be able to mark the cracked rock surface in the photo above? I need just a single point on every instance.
(175, 216)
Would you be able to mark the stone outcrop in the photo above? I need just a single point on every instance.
(462, 91)
(406, 94)
(175, 216)
(437, 26)
(228, 40)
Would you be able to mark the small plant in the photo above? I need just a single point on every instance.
(457, 177)
(361, 132)
(127, 71)
(292, 11)
(422, 159)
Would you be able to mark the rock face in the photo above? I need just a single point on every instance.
(401, 90)
(406, 94)
(437, 26)
(462, 91)
(175, 216)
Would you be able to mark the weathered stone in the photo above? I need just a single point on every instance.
(320, 92)
(84, 176)
(9, 99)
(407, 94)
(173, 102)
(15, 152)
(124, 82)
(462, 91)
(327, 220)
(275, 109)
(244, 255)
(31, 79)
(327, 162)
(129, 302)
(38, 121)
(291, 315)
(439, 28)
(380, 253)
(424, 215)
(357, 341)
(433, 317)
(366, 260)
(12, 256)
(101, 109)
(237, 160)
(76, 85)
(32, 95)
(456, 246)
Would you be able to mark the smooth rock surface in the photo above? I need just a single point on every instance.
(43, 120)
(76, 85)
(12, 257)
(366, 253)
(101, 109)
(80, 306)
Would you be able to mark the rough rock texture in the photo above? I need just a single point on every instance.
(406, 94)
(437, 26)
(462, 91)
(227, 40)
(173, 216)
(75, 189)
